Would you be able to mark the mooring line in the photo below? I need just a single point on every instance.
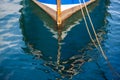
(103, 53)
(87, 24)
(94, 31)
(99, 45)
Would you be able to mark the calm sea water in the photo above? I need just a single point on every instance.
(30, 48)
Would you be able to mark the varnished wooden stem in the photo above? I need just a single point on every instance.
(59, 21)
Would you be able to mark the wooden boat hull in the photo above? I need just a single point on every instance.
(66, 9)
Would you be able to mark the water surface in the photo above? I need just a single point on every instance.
(29, 43)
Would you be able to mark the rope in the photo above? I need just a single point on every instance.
(87, 25)
(95, 32)
(105, 57)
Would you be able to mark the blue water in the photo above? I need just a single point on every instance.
(29, 44)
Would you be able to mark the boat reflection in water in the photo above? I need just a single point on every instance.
(65, 49)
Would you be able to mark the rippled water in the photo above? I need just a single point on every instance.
(30, 49)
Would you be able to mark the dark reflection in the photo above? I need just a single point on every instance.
(64, 50)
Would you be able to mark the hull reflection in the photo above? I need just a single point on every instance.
(64, 50)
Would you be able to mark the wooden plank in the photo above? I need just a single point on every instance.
(50, 11)
(67, 13)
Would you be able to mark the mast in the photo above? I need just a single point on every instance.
(59, 13)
